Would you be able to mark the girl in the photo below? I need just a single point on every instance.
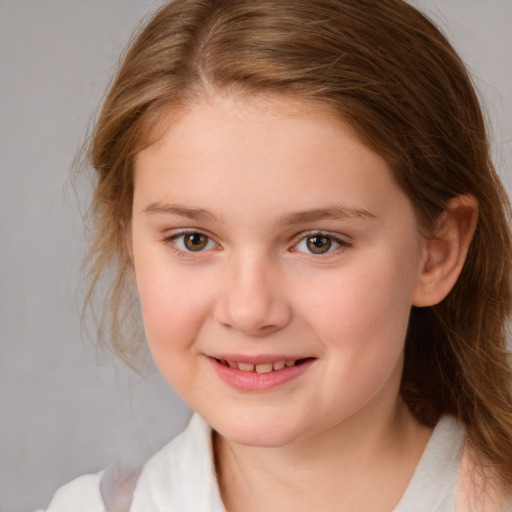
(300, 197)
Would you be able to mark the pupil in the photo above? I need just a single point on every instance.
(196, 241)
(318, 244)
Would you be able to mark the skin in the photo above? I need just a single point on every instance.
(337, 436)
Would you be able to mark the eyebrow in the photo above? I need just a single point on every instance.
(180, 211)
(336, 212)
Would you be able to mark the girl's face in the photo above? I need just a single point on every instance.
(276, 262)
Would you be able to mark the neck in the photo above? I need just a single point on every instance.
(362, 464)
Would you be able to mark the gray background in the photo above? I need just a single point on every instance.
(65, 407)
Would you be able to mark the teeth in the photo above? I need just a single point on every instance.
(264, 368)
(279, 365)
(246, 367)
(259, 368)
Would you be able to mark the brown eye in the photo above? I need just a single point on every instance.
(195, 241)
(318, 244)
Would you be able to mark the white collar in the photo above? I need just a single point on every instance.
(181, 477)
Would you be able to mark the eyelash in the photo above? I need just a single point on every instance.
(210, 243)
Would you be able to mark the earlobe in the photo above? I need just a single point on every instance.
(446, 250)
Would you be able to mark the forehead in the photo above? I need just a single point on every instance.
(213, 122)
(267, 152)
(244, 104)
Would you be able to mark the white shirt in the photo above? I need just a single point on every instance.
(181, 477)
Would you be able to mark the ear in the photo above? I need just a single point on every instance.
(446, 250)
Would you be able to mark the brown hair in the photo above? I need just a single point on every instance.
(384, 68)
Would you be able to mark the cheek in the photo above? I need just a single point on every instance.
(174, 306)
(361, 321)
(173, 312)
(365, 308)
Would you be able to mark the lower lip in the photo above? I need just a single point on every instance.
(257, 382)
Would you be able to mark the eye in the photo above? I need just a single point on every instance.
(192, 241)
(319, 243)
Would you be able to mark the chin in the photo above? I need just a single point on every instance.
(261, 433)
(259, 440)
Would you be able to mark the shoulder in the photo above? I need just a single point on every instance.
(449, 476)
(478, 488)
(111, 489)
(180, 477)
(79, 495)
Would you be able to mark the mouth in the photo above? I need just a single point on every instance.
(259, 373)
(261, 368)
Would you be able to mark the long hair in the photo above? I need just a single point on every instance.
(387, 71)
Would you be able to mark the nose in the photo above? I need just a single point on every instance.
(253, 301)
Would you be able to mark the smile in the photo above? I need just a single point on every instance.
(261, 374)
(260, 367)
